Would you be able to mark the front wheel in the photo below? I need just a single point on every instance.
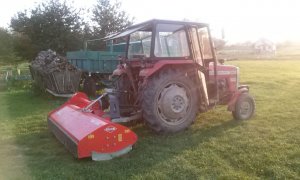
(169, 101)
(244, 107)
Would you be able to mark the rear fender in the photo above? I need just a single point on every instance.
(233, 100)
(147, 72)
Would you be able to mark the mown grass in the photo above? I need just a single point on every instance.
(214, 147)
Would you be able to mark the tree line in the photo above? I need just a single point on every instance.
(56, 25)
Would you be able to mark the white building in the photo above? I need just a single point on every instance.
(265, 47)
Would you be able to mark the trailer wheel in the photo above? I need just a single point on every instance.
(169, 104)
(244, 107)
(89, 86)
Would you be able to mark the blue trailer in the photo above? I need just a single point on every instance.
(102, 62)
(96, 66)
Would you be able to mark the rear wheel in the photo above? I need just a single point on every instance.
(169, 101)
(244, 107)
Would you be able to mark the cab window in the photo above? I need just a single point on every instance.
(139, 44)
(171, 41)
(205, 43)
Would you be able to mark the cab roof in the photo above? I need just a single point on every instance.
(151, 23)
(161, 21)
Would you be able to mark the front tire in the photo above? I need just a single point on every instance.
(169, 101)
(244, 107)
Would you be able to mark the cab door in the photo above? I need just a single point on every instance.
(198, 58)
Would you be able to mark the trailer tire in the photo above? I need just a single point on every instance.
(169, 101)
(244, 107)
(89, 86)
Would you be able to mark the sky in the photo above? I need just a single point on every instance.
(242, 20)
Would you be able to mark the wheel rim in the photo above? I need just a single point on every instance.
(173, 104)
(245, 109)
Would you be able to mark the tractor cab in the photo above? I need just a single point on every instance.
(164, 40)
(157, 44)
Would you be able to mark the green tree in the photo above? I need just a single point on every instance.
(109, 19)
(5, 43)
(7, 55)
(51, 25)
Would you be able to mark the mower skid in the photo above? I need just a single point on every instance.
(86, 134)
(108, 156)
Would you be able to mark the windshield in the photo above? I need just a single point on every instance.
(205, 43)
(171, 41)
(197, 55)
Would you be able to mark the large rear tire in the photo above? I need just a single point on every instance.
(169, 101)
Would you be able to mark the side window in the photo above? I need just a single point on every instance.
(205, 43)
(171, 41)
(117, 45)
(146, 45)
(139, 44)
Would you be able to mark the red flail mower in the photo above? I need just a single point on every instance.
(79, 125)
(168, 74)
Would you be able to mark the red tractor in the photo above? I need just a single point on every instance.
(171, 75)
(168, 75)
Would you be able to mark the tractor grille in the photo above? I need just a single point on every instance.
(63, 137)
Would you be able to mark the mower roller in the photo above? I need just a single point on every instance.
(79, 126)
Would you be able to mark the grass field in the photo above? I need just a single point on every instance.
(214, 147)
